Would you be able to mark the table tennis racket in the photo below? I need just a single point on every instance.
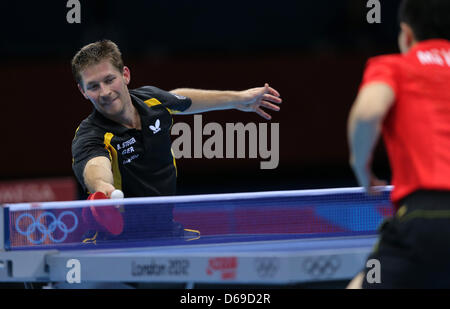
(108, 217)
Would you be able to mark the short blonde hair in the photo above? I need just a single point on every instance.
(94, 53)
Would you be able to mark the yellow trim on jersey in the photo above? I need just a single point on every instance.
(173, 155)
(114, 160)
(76, 131)
(153, 102)
(174, 162)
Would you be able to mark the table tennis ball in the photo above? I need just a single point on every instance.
(117, 194)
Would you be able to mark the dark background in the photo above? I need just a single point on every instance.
(312, 52)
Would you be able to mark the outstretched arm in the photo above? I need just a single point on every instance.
(250, 100)
(364, 126)
(98, 176)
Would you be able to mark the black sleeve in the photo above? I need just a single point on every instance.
(173, 102)
(88, 143)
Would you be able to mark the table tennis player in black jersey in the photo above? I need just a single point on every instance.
(125, 144)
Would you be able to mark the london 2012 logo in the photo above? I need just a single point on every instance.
(46, 230)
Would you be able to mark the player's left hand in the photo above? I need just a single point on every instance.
(375, 183)
(255, 98)
(367, 179)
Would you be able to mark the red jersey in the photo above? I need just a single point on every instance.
(416, 131)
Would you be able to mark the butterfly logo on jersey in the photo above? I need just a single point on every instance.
(156, 127)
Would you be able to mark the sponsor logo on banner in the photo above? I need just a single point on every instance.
(267, 267)
(226, 266)
(175, 267)
(43, 190)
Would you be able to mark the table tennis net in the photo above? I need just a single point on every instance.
(197, 219)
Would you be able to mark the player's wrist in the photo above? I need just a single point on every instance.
(227, 99)
(239, 99)
(104, 187)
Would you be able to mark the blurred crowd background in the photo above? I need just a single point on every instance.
(312, 52)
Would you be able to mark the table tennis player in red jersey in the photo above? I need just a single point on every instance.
(406, 98)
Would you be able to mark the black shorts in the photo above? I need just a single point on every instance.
(413, 249)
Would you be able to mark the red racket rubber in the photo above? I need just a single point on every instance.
(108, 217)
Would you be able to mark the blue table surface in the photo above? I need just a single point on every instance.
(287, 246)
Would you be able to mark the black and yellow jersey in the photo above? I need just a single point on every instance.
(142, 160)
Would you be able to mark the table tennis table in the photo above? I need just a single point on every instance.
(332, 242)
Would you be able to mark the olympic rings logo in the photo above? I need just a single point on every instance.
(46, 231)
(322, 266)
